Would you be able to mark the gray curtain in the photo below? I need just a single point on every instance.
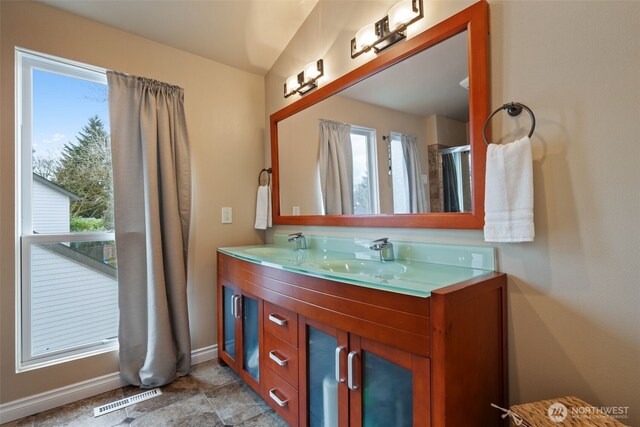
(152, 207)
(336, 167)
(417, 197)
(450, 183)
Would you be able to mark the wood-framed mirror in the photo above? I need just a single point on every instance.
(411, 163)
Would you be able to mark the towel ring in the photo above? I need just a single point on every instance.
(268, 171)
(513, 109)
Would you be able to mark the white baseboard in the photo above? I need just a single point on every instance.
(26, 406)
(61, 396)
(204, 354)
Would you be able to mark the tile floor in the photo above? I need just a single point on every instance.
(212, 395)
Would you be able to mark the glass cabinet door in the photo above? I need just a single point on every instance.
(322, 384)
(387, 386)
(387, 393)
(324, 353)
(250, 333)
(229, 321)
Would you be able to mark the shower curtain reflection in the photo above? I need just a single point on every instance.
(450, 183)
(456, 179)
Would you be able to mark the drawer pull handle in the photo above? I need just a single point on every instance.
(272, 395)
(350, 382)
(339, 350)
(278, 321)
(281, 362)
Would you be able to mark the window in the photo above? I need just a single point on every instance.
(68, 284)
(400, 178)
(365, 172)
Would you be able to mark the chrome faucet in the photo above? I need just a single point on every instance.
(384, 247)
(299, 239)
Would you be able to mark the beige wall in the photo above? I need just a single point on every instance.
(445, 131)
(299, 149)
(225, 118)
(574, 293)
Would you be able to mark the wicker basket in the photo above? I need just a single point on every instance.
(578, 414)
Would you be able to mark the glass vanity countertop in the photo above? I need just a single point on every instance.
(408, 277)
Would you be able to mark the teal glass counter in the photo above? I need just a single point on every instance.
(419, 268)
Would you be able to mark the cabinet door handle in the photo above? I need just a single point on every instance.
(339, 350)
(275, 358)
(236, 306)
(277, 320)
(350, 382)
(233, 306)
(280, 402)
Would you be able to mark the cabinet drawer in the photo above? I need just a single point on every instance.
(281, 358)
(281, 323)
(280, 396)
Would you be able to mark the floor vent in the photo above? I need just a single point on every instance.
(131, 400)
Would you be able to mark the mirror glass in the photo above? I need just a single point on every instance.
(394, 143)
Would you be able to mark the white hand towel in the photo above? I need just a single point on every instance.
(263, 208)
(508, 200)
(269, 207)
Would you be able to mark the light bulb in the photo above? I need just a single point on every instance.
(311, 71)
(292, 84)
(401, 14)
(366, 37)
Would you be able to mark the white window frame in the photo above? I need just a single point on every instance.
(372, 165)
(26, 61)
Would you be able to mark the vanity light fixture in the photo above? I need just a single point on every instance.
(306, 80)
(389, 30)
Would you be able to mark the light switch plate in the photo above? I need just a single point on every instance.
(295, 210)
(227, 215)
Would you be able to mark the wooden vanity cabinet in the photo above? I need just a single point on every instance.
(333, 354)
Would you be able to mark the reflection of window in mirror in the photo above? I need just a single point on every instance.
(399, 178)
(365, 171)
(407, 181)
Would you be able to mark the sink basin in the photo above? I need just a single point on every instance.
(270, 252)
(360, 266)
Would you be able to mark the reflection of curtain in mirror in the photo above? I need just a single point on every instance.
(336, 167)
(450, 183)
(417, 198)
